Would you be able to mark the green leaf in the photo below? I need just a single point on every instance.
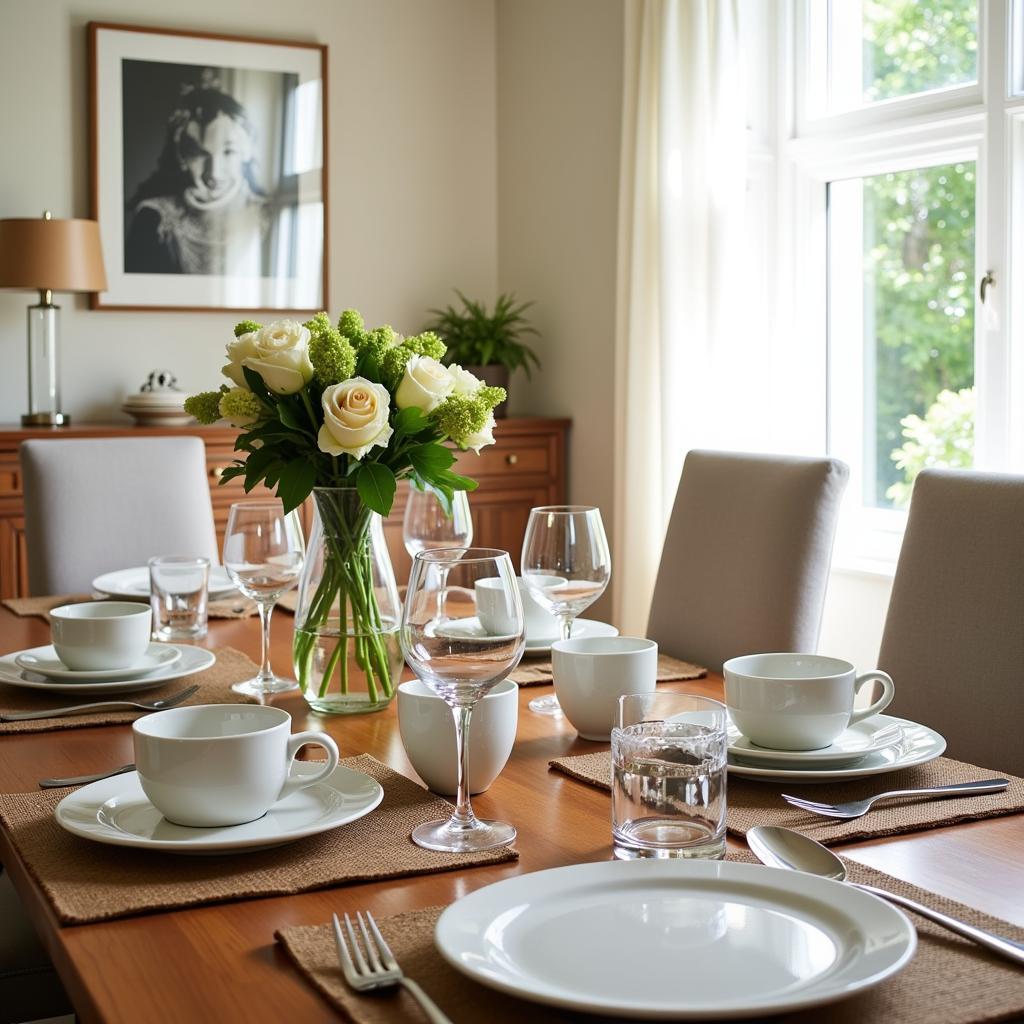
(453, 481)
(410, 421)
(257, 387)
(376, 485)
(257, 465)
(430, 459)
(289, 416)
(296, 483)
(231, 472)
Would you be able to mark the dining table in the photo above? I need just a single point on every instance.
(220, 962)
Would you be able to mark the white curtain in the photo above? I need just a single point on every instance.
(679, 338)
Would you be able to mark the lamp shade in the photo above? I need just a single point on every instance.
(58, 255)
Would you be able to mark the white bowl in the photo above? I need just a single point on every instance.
(100, 635)
(428, 735)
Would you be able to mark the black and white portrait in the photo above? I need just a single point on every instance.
(220, 201)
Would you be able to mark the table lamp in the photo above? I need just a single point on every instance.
(49, 256)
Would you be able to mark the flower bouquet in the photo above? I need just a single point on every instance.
(344, 413)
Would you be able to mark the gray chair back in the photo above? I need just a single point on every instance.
(954, 634)
(746, 558)
(93, 506)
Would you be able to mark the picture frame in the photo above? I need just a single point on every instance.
(209, 170)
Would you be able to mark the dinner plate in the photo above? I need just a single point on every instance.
(853, 745)
(917, 745)
(44, 661)
(677, 940)
(116, 811)
(191, 660)
(134, 583)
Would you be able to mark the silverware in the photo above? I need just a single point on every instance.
(81, 780)
(783, 848)
(383, 970)
(855, 808)
(105, 705)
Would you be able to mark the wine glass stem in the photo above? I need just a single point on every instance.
(463, 816)
(265, 609)
(565, 626)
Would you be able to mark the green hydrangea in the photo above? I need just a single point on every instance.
(246, 327)
(491, 396)
(332, 356)
(239, 406)
(426, 344)
(320, 324)
(205, 406)
(350, 323)
(461, 416)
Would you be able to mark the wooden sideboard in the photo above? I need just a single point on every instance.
(526, 467)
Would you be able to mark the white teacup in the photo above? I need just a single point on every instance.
(797, 701)
(221, 764)
(497, 619)
(592, 673)
(428, 735)
(97, 636)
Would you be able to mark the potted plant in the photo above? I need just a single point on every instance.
(489, 345)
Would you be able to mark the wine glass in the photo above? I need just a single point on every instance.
(566, 566)
(263, 555)
(427, 525)
(460, 659)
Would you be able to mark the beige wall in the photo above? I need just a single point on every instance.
(413, 180)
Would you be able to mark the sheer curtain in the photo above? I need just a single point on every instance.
(679, 341)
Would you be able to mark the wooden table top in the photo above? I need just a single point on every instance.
(221, 963)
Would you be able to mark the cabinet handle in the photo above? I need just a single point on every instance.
(512, 459)
(217, 472)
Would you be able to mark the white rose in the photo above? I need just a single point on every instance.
(280, 356)
(356, 415)
(484, 436)
(425, 386)
(239, 349)
(466, 383)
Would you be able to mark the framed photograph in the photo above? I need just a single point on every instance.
(209, 170)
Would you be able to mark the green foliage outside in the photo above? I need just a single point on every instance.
(919, 241)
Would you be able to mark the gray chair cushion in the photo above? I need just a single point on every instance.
(92, 506)
(954, 633)
(746, 558)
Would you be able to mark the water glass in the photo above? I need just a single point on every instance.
(668, 776)
(178, 594)
(427, 524)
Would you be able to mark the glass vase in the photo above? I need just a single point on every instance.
(346, 650)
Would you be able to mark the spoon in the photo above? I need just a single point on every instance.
(783, 848)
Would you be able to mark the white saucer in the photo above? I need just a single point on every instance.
(675, 940)
(469, 628)
(133, 584)
(117, 812)
(853, 745)
(44, 662)
(190, 661)
(918, 745)
(580, 628)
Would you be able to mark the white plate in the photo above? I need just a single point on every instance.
(918, 745)
(133, 584)
(192, 660)
(116, 811)
(675, 940)
(44, 662)
(853, 745)
(580, 628)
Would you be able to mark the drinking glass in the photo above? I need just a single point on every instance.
(566, 542)
(263, 555)
(449, 649)
(668, 776)
(427, 525)
(178, 596)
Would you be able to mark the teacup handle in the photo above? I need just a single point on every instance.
(888, 692)
(291, 784)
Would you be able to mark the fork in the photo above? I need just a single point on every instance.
(855, 808)
(382, 971)
(105, 705)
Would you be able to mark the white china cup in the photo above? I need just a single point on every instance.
(221, 764)
(592, 673)
(541, 625)
(98, 636)
(428, 735)
(797, 701)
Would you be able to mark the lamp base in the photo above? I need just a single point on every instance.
(45, 419)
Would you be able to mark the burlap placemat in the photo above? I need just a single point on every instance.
(86, 881)
(670, 670)
(949, 981)
(237, 607)
(760, 803)
(230, 667)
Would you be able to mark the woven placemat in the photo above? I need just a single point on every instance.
(86, 881)
(237, 607)
(760, 803)
(214, 683)
(670, 670)
(949, 981)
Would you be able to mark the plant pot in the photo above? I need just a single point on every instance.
(496, 376)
